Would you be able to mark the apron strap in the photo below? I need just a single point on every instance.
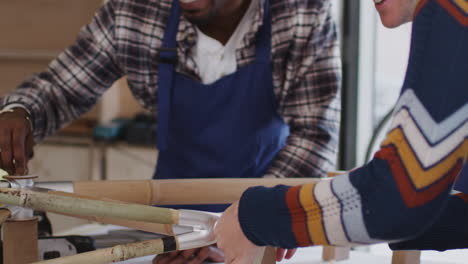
(263, 45)
(167, 61)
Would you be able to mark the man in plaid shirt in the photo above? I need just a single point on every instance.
(241, 88)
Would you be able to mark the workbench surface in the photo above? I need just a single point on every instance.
(378, 253)
(380, 256)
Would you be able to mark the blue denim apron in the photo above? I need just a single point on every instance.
(228, 129)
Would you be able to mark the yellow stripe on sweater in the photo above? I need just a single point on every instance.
(463, 4)
(314, 215)
(421, 177)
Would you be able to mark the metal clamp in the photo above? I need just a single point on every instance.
(202, 224)
(20, 182)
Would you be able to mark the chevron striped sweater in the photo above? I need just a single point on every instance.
(405, 192)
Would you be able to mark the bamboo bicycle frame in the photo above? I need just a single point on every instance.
(126, 203)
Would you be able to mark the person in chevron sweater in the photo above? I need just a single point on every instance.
(404, 196)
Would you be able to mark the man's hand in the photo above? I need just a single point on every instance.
(192, 256)
(16, 141)
(235, 245)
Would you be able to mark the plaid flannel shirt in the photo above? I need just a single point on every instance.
(124, 38)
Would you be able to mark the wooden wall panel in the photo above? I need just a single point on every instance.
(119, 102)
(43, 24)
(124, 162)
(71, 162)
(33, 32)
(13, 72)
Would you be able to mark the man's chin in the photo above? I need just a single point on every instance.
(199, 20)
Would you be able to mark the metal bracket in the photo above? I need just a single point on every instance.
(20, 182)
(203, 224)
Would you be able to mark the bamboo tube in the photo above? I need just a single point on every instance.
(113, 254)
(87, 207)
(179, 191)
(163, 229)
(138, 191)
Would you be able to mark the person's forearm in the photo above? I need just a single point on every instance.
(304, 156)
(392, 198)
(312, 107)
(362, 208)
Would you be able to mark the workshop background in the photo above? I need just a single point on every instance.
(34, 31)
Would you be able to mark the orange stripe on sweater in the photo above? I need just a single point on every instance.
(453, 10)
(411, 196)
(298, 217)
(419, 6)
(463, 4)
(421, 177)
(463, 196)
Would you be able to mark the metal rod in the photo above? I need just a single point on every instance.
(62, 186)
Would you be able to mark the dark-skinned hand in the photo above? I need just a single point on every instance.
(16, 141)
(191, 256)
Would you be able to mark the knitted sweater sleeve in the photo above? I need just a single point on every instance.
(405, 189)
(449, 231)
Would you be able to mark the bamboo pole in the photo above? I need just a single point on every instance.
(163, 229)
(180, 191)
(113, 254)
(87, 207)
